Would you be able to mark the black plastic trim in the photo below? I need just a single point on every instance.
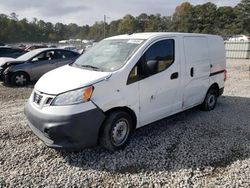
(221, 91)
(69, 132)
(218, 72)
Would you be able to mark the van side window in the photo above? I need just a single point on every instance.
(133, 75)
(158, 57)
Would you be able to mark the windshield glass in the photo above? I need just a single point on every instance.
(27, 56)
(108, 55)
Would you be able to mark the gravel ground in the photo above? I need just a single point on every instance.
(190, 149)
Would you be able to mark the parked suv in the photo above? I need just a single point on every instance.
(32, 65)
(123, 83)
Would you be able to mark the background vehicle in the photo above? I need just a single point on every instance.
(6, 51)
(72, 48)
(33, 47)
(32, 65)
(123, 83)
(239, 38)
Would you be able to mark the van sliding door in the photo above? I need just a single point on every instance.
(197, 70)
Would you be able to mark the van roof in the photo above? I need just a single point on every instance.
(154, 34)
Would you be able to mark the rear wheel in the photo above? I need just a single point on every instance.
(210, 100)
(20, 79)
(116, 131)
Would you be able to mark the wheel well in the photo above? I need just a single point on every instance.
(12, 73)
(216, 87)
(124, 109)
(127, 110)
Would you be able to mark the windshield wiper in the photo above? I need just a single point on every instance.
(90, 66)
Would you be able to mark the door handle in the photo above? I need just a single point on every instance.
(174, 76)
(192, 72)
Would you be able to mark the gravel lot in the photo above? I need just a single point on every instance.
(190, 149)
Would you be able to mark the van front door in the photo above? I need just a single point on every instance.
(159, 83)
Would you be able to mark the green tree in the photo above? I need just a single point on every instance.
(154, 23)
(113, 28)
(14, 16)
(243, 16)
(204, 18)
(225, 21)
(96, 31)
(127, 25)
(183, 18)
(142, 22)
(166, 22)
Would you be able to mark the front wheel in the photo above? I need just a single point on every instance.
(210, 100)
(19, 79)
(116, 131)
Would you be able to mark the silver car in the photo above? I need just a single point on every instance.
(32, 65)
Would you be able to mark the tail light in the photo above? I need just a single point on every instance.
(225, 75)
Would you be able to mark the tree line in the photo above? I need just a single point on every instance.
(204, 18)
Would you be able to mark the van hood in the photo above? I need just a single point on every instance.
(68, 78)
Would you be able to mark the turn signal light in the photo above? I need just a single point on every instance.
(87, 92)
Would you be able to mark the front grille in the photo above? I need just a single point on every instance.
(41, 99)
(37, 98)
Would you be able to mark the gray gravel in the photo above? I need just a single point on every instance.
(190, 149)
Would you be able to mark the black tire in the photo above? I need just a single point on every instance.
(20, 79)
(210, 101)
(116, 122)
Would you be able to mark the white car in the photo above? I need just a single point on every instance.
(239, 38)
(123, 83)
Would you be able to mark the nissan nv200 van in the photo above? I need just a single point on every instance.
(123, 83)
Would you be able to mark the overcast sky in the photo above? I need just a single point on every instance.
(85, 12)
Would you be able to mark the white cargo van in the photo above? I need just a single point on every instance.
(123, 83)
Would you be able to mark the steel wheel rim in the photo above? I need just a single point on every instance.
(211, 101)
(120, 132)
(20, 79)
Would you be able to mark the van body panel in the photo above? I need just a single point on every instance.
(71, 77)
(217, 56)
(113, 99)
(66, 130)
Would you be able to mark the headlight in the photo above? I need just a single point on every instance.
(74, 97)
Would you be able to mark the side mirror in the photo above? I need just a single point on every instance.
(152, 66)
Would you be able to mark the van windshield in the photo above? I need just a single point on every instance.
(108, 55)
